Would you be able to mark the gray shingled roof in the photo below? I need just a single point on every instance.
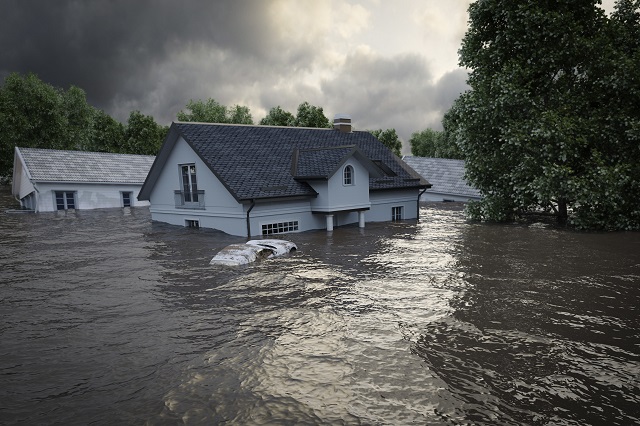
(320, 162)
(255, 162)
(445, 175)
(50, 165)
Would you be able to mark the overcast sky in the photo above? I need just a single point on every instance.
(389, 64)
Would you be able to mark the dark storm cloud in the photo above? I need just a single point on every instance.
(156, 55)
(397, 92)
(112, 48)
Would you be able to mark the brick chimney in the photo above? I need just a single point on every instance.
(342, 122)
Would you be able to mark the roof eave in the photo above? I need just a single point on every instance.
(158, 163)
(277, 198)
(392, 188)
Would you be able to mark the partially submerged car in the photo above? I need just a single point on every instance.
(251, 251)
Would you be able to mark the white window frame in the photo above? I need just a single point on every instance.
(397, 213)
(130, 198)
(192, 223)
(280, 227)
(348, 175)
(190, 196)
(65, 200)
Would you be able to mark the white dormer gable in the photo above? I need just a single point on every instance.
(346, 189)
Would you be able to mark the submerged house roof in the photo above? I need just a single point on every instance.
(50, 165)
(445, 175)
(261, 162)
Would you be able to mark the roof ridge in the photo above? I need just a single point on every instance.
(74, 151)
(269, 126)
(252, 125)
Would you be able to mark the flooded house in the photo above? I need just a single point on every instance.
(446, 177)
(46, 180)
(251, 180)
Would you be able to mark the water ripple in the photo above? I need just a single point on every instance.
(108, 318)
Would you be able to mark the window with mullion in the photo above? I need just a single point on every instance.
(348, 175)
(126, 199)
(396, 213)
(65, 200)
(189, 183)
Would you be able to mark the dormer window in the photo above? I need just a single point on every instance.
(348, 175)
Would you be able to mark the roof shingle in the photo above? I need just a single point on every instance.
(50, 165)
(445, 175)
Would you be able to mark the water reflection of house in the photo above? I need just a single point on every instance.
(262, 180)
(446, 177)
(49, 180)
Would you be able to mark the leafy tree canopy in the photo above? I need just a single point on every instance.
(307, 116)
(433, 143)
(38, 115)
(143, 135)
(210, 111)
(278, 117)
(311, 116)
(552, 120)
(108, 134)
(389, 138)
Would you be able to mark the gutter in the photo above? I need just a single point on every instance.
(418, 203)
(253, 204)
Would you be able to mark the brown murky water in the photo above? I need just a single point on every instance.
(108, 318)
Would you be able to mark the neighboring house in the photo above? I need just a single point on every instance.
(48, 180)
(446, 177)
(262, 180)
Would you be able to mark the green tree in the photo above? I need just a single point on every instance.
(389, 138)
(307, 116)
(239, 115)
(143, 135)
(79, 119)
(210, 111)
(434, 143)
(311, 116)
(108, 134)
(32, 114)
(439, 144)
(278, 117)
(546, 124)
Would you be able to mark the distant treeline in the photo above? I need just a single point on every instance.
(38, 115)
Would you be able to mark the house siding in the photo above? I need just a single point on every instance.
(221, 210)
(97, 179)
(284, 211)
(24, 185)
(383, 201)
(88, 196)
(333, 195)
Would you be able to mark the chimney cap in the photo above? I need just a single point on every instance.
(342, 122)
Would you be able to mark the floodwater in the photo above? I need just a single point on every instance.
(107, 318)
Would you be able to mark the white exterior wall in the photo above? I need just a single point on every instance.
(88, 196)
(383, 201)
(334, 195)
(21, 185)
(284, 211)
(221, 210)
(345, 197)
